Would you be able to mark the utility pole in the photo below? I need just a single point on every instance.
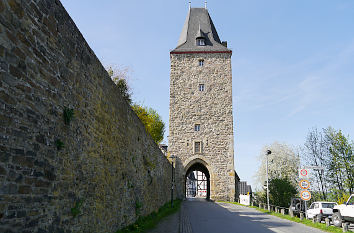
(268, 153)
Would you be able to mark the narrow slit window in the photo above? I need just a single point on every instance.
(201, 87)
(197, 127)
(197, 147)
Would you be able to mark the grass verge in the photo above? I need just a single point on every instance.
(306, 222)
(150, 221)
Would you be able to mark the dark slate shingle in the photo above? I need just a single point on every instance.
(198, 19)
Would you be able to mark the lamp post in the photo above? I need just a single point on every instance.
(268, 153)
(172, 184)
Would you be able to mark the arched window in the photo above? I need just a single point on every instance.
(201, 62)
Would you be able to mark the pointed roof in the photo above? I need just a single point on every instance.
(199, 24)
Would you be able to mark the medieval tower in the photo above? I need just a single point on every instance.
(201, 121)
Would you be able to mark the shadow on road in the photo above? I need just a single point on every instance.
(223, 217)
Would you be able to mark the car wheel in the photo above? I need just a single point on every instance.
(337, 219)
(319, 218)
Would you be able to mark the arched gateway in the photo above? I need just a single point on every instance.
(201, 121)
(197, 179)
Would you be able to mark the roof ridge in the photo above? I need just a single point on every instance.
(181, 40)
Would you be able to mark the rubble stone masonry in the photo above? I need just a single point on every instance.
(98, 173)
(211, 108)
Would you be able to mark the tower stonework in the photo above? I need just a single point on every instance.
(201, 121)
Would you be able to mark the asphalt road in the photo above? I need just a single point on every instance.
(209, 217)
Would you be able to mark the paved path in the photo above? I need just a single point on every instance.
(169, 224)
(200, 216)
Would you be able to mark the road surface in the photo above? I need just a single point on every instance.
(200, 216)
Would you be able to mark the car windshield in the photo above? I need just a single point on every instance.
(351, 201)
(328, 205)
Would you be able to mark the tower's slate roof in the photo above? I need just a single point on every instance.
(198, 22)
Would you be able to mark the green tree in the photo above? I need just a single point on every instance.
(332, 150)
(281, 190)
(152, 122)
(119, 77)
(340, 163)
(149, 117)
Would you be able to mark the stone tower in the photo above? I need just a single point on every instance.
(201, 122)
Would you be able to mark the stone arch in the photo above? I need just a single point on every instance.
(201, 164)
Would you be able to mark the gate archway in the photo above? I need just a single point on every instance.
(197, 180)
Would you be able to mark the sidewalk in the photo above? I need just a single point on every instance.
(176, 223)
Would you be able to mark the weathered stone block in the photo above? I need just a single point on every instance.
(2, 171)
(21, 214)
(8, 189)
(4, 157)
(24, 189)
(2, 7)
(23, 161)
(41, 183)
(16, 8)
(7, 98)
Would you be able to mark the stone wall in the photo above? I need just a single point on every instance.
(97, 173)
(212, 109)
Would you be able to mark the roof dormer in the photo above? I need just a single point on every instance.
(200, 37)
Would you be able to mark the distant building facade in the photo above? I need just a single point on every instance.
(201, 120)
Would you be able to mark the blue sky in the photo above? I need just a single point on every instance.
(293, 61)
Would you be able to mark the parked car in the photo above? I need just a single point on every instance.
(320, 210)
(344, 213)
(296, 206)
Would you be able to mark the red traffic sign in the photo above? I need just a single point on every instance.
(303, 173)
(305, 195)
(304, 184)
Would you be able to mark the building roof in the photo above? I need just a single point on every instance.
(199, 22)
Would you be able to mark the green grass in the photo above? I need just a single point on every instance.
(150, 221)
(306, 222)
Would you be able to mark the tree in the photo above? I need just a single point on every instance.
(149, 117)
(281, 190)
(283, 162)
(120, 77)
(152, 122)
(332, 150)
(341, 162)
(316, 153)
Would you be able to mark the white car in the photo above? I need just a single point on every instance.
(320, 210)
(344, 212)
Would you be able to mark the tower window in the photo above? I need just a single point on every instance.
(197, 147)
(201, 87)
(200, 41)
(197, 127)
(201, 62)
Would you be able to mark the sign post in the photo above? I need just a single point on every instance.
(304, 185)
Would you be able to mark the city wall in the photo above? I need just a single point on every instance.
(94, 171)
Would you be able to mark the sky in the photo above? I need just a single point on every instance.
(293, 62)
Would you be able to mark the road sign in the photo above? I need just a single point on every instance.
(314, 167)
(303, 173)
(305, 195)
(304, 184)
